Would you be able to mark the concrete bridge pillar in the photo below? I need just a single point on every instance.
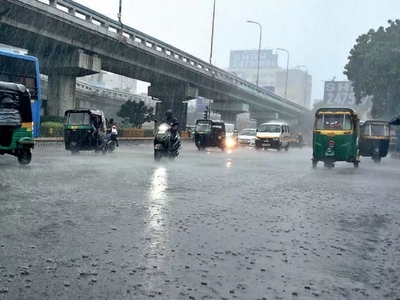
(61, 94)
(174, 97)
(263, 116)
(229, 109)
(63, 67)
(229, 117)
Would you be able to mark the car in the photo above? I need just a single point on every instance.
(247, 137)
(273, 135)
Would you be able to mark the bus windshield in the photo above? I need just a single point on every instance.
(21, 71)
(333, 122)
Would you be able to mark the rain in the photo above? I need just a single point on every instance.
(138, 163)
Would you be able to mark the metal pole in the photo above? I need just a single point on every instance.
(259, 50)
(120, 15)
(306, 83)
(212, 33)
(287, 70)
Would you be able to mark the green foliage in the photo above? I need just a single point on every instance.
(58, 129)
(136, 113)
(57, 119)
(374, 69)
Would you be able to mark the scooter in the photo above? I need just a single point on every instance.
(166, 143)
(111, 142)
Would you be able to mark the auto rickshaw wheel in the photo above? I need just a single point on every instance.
(25, 156)
(377, 159)
(329, 163)
(355, 164)
(74, 151)
(279, 148)
(314, 164)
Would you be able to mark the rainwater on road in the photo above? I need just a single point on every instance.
(238, 224)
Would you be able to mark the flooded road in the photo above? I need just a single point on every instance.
(211, 225)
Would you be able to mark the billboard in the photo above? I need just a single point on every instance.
(202, 103)
(340, 93)
(248, 59)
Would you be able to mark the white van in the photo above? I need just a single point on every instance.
(273, 135)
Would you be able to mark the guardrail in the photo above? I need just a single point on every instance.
(130, 35)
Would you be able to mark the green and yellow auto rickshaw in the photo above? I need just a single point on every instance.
(335, 137)
(210, 133)
(16, 123)
(374, 139)
(85, 130)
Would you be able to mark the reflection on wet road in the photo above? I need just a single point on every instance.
(240, 224)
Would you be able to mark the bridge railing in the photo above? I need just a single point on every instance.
(132, 36)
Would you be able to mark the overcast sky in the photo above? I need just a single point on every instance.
(317, 33)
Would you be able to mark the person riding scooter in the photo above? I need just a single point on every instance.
(112, 129)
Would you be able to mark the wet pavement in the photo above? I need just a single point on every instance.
(211, 225)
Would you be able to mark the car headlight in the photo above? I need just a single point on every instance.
(276, 139)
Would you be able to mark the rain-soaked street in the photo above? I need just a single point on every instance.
(211, 225)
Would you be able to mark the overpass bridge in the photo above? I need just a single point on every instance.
(72, 40)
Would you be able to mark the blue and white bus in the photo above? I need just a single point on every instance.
(24, 69)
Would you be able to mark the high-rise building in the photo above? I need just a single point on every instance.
(299, 84)
(244, 64)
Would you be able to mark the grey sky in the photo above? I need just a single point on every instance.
(317, 33)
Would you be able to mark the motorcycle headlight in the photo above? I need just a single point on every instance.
(230, 142)
(163, 127)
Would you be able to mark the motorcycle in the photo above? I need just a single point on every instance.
(111, 141)
(166, 143)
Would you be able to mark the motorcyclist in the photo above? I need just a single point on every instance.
(172, 121)
(112, 129)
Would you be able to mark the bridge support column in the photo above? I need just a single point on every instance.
(229, 109)
(263, 116)
(173, 96)
(61, 94)
(229, 117)
(63, 69)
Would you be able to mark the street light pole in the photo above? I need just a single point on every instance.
(120, 15)
(212, 33)
(287, 69)
(259, 49)
(305, 86)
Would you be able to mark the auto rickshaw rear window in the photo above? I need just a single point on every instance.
(333, 122)
(376, 130)
(203, 127)
(78, 119)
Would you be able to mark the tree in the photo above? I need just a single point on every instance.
(374, 69)
(136, 113)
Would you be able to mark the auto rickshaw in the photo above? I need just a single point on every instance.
(85, 130)
(210, 133)
(374, 139)
(335, 137)
(16, 123)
